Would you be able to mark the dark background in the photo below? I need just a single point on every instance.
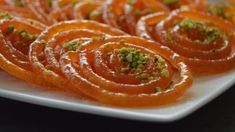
(217, 116)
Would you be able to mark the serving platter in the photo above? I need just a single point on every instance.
(203, 91)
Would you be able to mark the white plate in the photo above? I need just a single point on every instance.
(203, 90)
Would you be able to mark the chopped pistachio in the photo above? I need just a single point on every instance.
(218, 11)
(18, 3)
(26, 35)
(164, 73)
(43, 42)
(134, 57)
(169, 36)
(123, 70)
(190, 24)
(31, 22)
(122, 41)
(72, 46)
(158, 90)
(129, 57)
(138, 70)
(171, 2)
(10, 29)
(144, 76)
(97, 38)
(196, 41)
(161, 67)
(90, 1)
(92, 15)
(106, 45)
(151, 78)
(211, 34)
(131, 1)
(5, 15)
(161, 60)
(135, 62)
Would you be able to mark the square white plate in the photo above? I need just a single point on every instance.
(203, 90)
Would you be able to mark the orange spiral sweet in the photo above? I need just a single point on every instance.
(224, 10)
(44, 57)
(176, 4)
(101, 70)
(124, 14)
(62, 13)
(206, 42)
(42, 43)
(18, 11)
(84, 58)
(16, 35)
(40, 8)
(89, 10)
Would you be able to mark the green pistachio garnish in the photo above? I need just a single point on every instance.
(26, 35)
(171, 2)
(164, 73)
(31, 22)
(211, 33)
(158, 90)
(196, 41)
(134, 58)
(161, 67)
(10, 29)
(218, 11)
(43, 42)
(106, 45)
(190, 24)
(131, 1)
(18, 3)
(72, 46)
(122, 41)
(135, 62)
(97, 38)
(92, 15)
(5, 15)
(169, 36)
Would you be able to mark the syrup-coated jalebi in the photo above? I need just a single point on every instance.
(124, 14)
(16, 36)
(121, 71)
(54, 41)
(206, 42)
(225, 10)
(36, 9)
(62, 44)
(104, 70)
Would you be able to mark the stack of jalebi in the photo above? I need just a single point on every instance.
(87, 47)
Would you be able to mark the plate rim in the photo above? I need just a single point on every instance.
(112, 112)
